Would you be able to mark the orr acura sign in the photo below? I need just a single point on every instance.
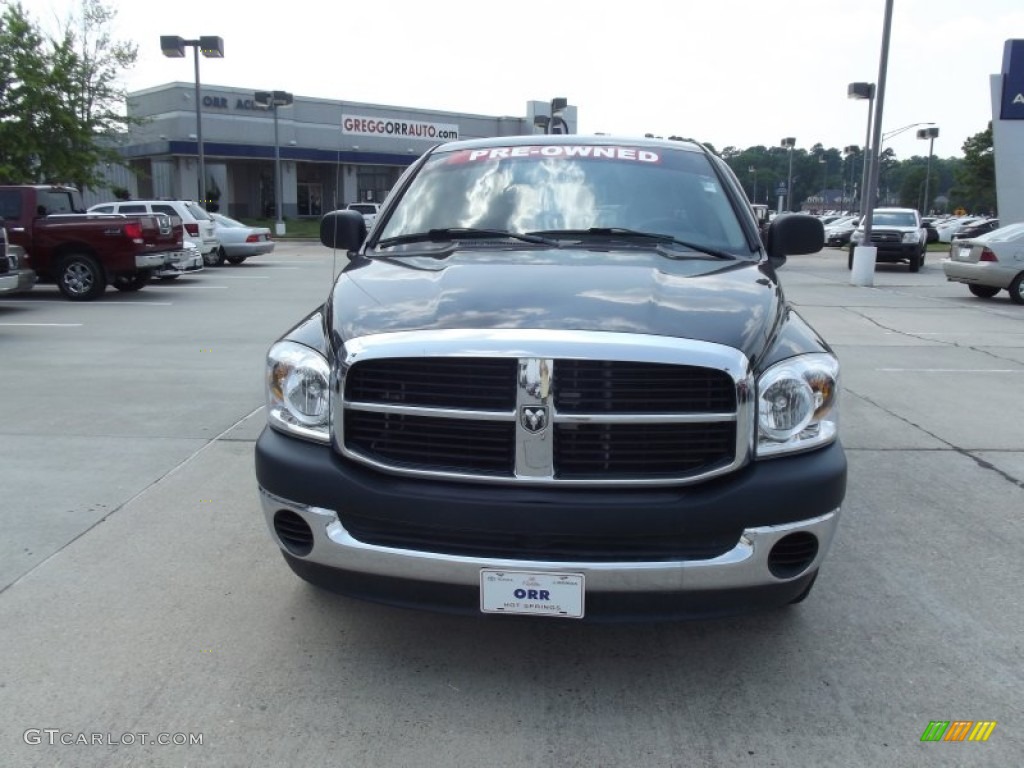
(362, 125)
(1013, 81)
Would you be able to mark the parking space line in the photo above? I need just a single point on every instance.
(950, 370)
(42, 325)
(278, 263)
(77, 304)
(240, 277)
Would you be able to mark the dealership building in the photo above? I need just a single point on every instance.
(331, 152)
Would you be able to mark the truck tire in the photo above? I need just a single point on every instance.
(81, 278)
(915, 262)
(214, 258)
(132, 281)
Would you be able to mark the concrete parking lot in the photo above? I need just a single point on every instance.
(140, 592)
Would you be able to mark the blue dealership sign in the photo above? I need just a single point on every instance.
(1013, 81)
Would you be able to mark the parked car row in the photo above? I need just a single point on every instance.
(216, 237)
(950, 227)
(838, 232)
(123, 244)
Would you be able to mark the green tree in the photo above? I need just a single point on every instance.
(60, 105)
(912, 186)
(975, 187)
(30, 113)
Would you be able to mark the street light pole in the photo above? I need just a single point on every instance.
(790, 142)
(554, 122)
(211, 47)
(864, 91)
(850, 150)
(889, 134)
(865, 256)
(824, 180)
(272, 100)
(930, 134)
(753, 171)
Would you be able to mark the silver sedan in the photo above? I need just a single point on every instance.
(990, 263)
(239, 241)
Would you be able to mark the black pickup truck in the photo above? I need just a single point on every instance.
(559, 378)
(83, 253)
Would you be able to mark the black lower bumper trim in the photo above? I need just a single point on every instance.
(771, 492)
(600, 606)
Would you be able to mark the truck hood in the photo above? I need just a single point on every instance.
(734, 303)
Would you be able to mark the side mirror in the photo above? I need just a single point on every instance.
(793, 235)
(343, 229)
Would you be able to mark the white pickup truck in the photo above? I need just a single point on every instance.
(369, 211)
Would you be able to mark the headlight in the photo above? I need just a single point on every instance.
(298, 391)
(798, 405)
(912, 237)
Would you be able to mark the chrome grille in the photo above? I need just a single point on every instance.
(468, 383)
(421, 442)
(592, 451)
(614, 386)
(544, 407)
(886, 237)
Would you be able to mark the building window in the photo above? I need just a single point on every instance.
(373, 182)
(310, 197)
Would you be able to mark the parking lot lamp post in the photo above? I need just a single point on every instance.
(554, 122)
(850, 150)
(897, 131)
(864, 255)
(272, 100)
(211, 47)
(824, 180)
(753, 172)
(864, 91)
(930, 134)
(789, 142)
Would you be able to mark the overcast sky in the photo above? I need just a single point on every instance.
(729, 72)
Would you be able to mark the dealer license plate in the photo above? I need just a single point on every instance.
(536, 593)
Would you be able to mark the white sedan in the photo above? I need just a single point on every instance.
(990, 263)
(950, 227)
(239, 241)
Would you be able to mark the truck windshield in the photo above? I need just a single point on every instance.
(894, 219)
(571, 188)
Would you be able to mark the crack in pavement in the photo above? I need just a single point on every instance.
(954, 344)
(169, 473)
(966, 453)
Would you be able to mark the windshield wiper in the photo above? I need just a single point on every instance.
(463, 233)
(633, 234)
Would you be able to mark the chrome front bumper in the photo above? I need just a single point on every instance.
(156, 260)
(744, 566)
(181, 262)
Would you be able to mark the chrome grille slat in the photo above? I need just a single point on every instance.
(564, 408)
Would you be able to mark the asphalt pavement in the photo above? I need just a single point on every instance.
(142, 599)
